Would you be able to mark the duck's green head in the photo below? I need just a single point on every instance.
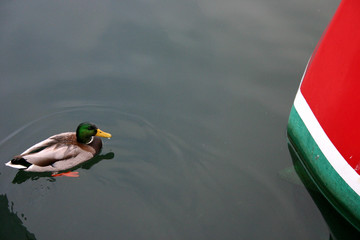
(85, 131)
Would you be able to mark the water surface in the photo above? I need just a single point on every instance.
(196, 95)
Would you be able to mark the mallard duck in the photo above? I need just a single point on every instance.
(62, 151)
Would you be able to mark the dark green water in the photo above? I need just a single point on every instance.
(196, 95)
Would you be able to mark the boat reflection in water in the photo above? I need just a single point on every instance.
(339, 227)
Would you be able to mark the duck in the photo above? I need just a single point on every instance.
(61, 151)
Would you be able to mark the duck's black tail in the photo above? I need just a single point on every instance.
(18, 162)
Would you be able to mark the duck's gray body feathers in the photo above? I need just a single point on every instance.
(57, 153)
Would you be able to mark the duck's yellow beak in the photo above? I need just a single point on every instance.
(100, 133)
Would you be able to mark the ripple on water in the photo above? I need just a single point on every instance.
(133, 137)
(137, 163)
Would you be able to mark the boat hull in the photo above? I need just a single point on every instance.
(323, 126)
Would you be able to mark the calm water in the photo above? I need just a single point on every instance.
(196, 95)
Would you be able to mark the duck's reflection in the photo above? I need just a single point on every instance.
(23, 176)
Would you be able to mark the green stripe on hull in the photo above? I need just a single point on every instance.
(328, 181)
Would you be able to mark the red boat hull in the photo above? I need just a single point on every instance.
(323, 124)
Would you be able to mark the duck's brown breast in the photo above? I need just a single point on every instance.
(96, 144)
